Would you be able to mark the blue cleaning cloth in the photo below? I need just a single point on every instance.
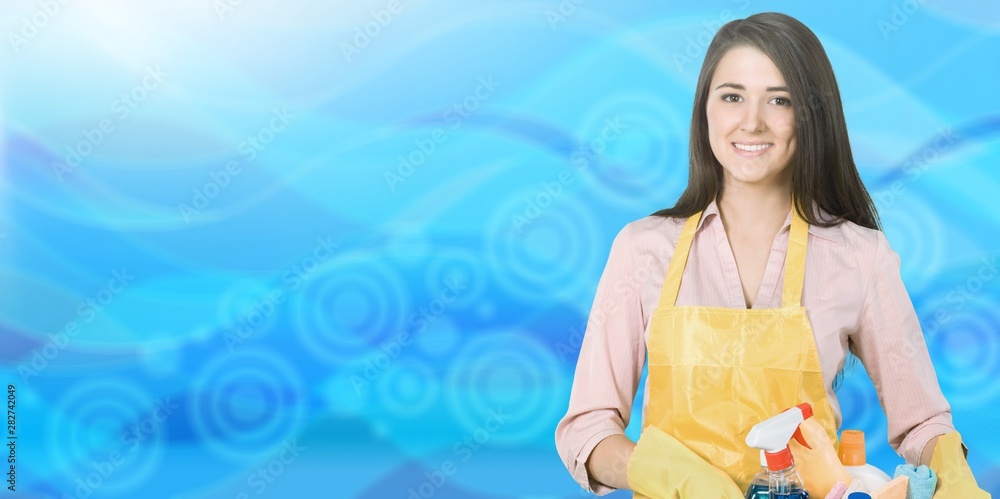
(922, 481)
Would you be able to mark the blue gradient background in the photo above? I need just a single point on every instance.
(359, 259)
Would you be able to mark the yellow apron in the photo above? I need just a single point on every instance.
(716, 372)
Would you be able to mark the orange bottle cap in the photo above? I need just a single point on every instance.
(852, 448)
(777, 461)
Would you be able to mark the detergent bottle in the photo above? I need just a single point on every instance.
(852, 454)
(761, 481)
(818, 465)
(772, 436)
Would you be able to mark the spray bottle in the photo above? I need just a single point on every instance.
(772, 436)
(761, 482)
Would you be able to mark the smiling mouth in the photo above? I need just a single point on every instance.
(752, 147)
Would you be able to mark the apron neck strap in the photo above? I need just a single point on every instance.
(672, 283)
(795, 262)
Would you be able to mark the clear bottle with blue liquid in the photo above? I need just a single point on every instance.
(761, 483)
(772, 436)
(786, 484)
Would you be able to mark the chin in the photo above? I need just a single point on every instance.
(752, 175)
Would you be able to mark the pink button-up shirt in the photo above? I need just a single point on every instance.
(853, 295)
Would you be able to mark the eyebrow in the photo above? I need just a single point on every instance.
(737, 86)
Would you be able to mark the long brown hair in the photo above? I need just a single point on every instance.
(823, 169)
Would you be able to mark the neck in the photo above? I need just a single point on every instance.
(754, 210)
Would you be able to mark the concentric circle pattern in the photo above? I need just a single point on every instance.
(545, 256)
(504, 384)
(246, 403)
(110, 434)
(349, 307)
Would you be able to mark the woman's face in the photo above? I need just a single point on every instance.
(751, 123)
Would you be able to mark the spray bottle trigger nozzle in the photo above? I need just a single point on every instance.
(807, 412)
(800, 439)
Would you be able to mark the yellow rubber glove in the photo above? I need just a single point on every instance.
(819, 466)
(955, 480)
(661, 467)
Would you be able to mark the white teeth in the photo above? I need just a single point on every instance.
(753, 148)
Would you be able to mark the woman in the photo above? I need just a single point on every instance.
(737, 327)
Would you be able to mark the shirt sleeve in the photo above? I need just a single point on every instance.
(891, 346)
(609, 367)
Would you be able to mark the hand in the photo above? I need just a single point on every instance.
(818, 465)
(955, 480)
(663, 467)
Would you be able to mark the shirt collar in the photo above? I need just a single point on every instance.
(832, 233)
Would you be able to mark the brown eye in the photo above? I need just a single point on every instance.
(732, 98)
(781, 101)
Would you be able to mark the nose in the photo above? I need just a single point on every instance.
(751, 121)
